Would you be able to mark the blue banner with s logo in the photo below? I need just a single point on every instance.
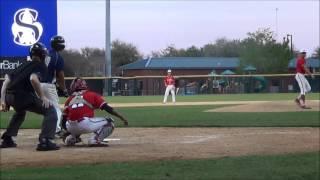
(25, 22)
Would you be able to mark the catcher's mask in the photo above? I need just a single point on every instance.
(78, 84)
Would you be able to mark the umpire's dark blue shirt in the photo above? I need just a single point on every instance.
(40, 69)
(56, 64)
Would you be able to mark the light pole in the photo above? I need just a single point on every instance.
(107, 82)
(290, 35)
(277, 23)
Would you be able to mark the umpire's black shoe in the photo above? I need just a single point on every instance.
(7, 142)
(47, 145)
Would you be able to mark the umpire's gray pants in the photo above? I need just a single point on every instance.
(22, 102)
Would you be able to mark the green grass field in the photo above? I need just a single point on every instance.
(194, 116)
(303, 166)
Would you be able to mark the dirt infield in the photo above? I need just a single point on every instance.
(268, 106)
(144, 144)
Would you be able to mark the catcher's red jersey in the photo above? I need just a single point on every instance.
(169, 80)
(79, 110)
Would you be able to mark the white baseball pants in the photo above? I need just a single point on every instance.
(51, 94)
(303, 84)
(170, 88)
(97, 125)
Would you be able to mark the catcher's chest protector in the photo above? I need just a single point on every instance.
(78, 101)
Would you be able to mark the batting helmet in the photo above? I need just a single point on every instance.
(58, 43)
(38, 49)
(78, 84)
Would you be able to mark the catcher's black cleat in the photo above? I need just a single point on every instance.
(46, 145)
(8, 142)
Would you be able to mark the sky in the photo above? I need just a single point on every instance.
(152, 25)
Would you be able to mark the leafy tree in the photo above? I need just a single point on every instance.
(91, 61)
(74, 63)
(193, 51)
(123, 53)
(261, 50)
(170, 51)
(223, 48)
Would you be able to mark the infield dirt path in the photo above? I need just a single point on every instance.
(146, 144)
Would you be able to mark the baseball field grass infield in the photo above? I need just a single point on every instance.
(194, 116)
(302, 166)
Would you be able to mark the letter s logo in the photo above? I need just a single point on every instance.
(25, 29)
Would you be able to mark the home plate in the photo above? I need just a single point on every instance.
(110, 139)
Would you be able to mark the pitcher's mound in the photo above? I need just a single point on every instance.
(271, 106)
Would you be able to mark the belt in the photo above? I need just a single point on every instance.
(78, 120)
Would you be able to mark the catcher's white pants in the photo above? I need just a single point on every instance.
(303, 84)
(97, 125)
(170, 88)
(51, 94)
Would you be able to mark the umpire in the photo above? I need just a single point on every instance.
(22, 90)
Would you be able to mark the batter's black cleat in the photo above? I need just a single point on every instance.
(7, 142)
(47, 145)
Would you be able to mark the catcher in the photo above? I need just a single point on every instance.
(78, 115)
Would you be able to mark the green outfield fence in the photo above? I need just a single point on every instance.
(200, 84)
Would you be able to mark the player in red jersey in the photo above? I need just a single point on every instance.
(78, 115)
(169, 82)
(301, 70)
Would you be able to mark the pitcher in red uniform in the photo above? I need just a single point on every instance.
(78, 115)
(301, 70)
(169, 82)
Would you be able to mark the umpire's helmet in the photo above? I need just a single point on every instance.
(58, 43)
(78, 84)
(38, 49)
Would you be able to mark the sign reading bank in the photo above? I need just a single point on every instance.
(23, 23)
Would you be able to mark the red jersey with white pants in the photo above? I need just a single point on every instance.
(169, 80)
(300, 78)
(299, 65)
(80, 110)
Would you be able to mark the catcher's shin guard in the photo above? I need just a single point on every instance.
(103, 132)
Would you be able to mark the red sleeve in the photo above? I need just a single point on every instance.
(98, 100)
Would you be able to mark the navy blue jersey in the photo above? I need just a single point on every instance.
(56, 64)
(20, 77)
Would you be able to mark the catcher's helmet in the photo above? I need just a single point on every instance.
(38, 49)
(78, 84)
(58, 43)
